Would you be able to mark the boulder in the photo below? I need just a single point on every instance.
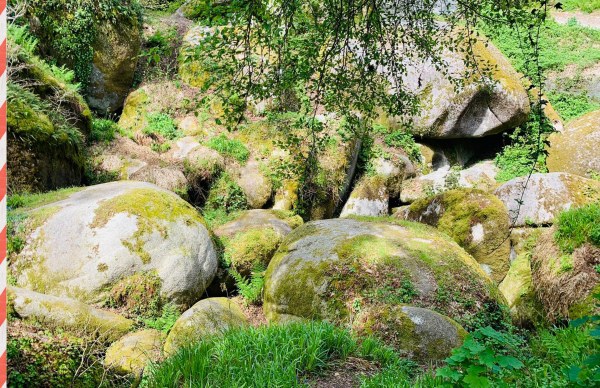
(418, 333)
(131, 353)
(281, 221)
(333, 269)
(370, 197)
(575, 150)
(168, 178)
(479, 108)
(476, 220)
(209, 317)
(481, 175)
(116, 50)
(67, 313)
(82, 245)
(565, 283)
(255, 185)
(536, 201)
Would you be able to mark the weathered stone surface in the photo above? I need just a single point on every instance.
(256, 186)
(280, 221)
(476, 220)
(478, 109)
(67, 313)
(333, 269)
(212, 316)
(98, 236)
(417, 333)
(576, 149)
(536, 201)
(116, 52)
(168, 178)
(131, 353)
(370, 197)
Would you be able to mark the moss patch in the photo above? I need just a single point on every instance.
(248, 249)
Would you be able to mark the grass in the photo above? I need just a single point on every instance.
(561, 46)
(162, 124)
(232, 148)
(577, 227)
(588, 6)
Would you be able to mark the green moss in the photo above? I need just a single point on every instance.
(138, 294)
(133, 118)
(587, 307)
(248, 249)
(152, 208)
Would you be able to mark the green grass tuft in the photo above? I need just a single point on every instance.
(577, 227)
(232, 148)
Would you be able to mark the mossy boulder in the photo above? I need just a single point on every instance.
(476, 220)
(416, 332)
(131, 353)
(575, 150)
(481, 175)
(280, 221)
(333, 269)
(257, 187)
(370, 197)
(209, 317)
(82, 245)
(565, 283)
(483, 106)
(68, 314)
(168, 178)
(540, 198)
(116, 50)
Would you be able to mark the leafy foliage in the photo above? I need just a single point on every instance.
(576, 227)
(251, 289)
(162, 124)
(70, 28)
(103, 130)
(524, 149)
(165, 321)
(225, 194)
(232, 148)
(584, 5)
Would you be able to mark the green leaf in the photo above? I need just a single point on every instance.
(509, 362)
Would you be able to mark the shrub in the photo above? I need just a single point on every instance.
(232, 148)
(103, 130)
(162, 124)
(227, 195)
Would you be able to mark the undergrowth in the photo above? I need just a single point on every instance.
(577, 227)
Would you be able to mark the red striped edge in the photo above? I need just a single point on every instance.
(3, 322)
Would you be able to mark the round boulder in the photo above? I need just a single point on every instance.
(82, 245)
(208, 317)
(575, 150)
(476, 220)
(333, 269)
(131, 353)
(418, 333)
(537, 200)
(370, 197)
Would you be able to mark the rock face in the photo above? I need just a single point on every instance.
(477, 109)
(131, 353)
(67, 313)
(576, 149)
(116, 51)
(544, 196)
(370, 197)
(206, 318)
(565, 283)
(333, 269)
(418, 333)
(476, 220)
(480, 176)
(98, 236)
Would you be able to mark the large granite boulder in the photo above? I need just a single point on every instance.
(84, 244)
(334, 269)
(540, 198)
(67, 313)
(209, 317)
(479, 108)
(575, 150)
(476, 220)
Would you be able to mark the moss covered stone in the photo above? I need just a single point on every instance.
(253, 248)
(575, 150)
(68, 314)
(544, 196)
(476, 220)
(417, 333)
(99, 236)
(333, 269)
(209, 317)
(131, 353)
(280, 221)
